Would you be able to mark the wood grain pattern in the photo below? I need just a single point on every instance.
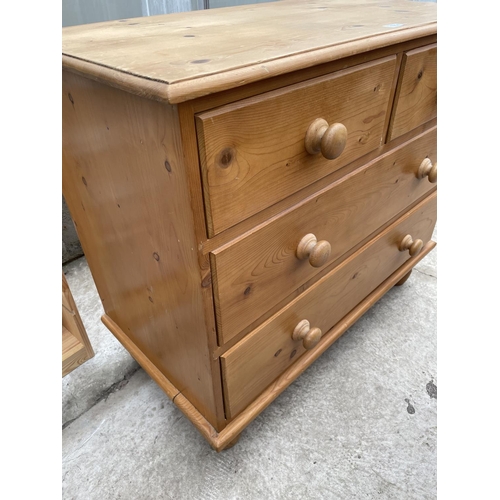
(252, 88)
(257, 270)
(416, 95)
(134, 185)
(76, 346)
(220, 440)
(301, 289)
(187, 55)
(209, 245)
(69, 342)
(193, 174)
(159, 377)
(125, 185)
(253, 152)
(250, 366)
(74, 352)
(234, 94)
(269, 394)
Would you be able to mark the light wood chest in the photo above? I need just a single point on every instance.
(246, 183)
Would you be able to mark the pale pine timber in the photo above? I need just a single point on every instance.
(125, 185)
(203, 310)
(253, 152)
(133, 54)
(259, 268)
(416, 96)
(261, 356)
(220, 440)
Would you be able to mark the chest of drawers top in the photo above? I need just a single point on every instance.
(182, 56)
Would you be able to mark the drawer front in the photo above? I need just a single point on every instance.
(416, 95)
(253, 152)
(252, 364)
(258, 270)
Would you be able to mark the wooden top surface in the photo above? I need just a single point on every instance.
(176, 57)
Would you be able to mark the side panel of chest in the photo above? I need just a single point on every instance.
(125, 185)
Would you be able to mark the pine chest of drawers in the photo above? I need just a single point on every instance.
(246, 183)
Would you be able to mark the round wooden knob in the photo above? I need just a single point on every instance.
(427, 169)
(318, 252)
(330, 140)
(414, 247)
(309, 336)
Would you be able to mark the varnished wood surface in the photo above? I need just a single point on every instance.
(322, 272)
(209, 245)
(74, 352)
(316, 252)
(428, 169)
(416, 95)
(69, 342)
(413, 246)
(329, 140)
(310, 336)
(158, 376)
(257, 270)
(253, 152)
(220, 440)
(232, 443)
(193, 176)
(250, 366)
(176, 57)
(178, 40)
(269, 394)
(76, 346)
(404, 279)
(185, 361)
(125, 184)
(234, 94)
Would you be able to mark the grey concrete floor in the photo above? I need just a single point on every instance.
(359, 423)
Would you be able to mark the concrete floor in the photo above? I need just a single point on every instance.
(359, 423)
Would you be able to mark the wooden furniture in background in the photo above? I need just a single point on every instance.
(76, 347)
(242, 204)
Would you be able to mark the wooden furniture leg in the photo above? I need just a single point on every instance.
(232, 443)
(402, 281)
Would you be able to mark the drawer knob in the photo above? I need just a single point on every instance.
(330, 140)
(414, 247)
(309, 336)
(427, 169)
(318, 252)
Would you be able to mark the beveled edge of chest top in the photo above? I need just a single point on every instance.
(178, 57)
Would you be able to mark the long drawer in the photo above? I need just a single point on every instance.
(252, 364)
(253, 153)
(261, 268)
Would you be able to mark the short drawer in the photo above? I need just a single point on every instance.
(255, 362)
(253, 153)
(416, 94)
(258, 270)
